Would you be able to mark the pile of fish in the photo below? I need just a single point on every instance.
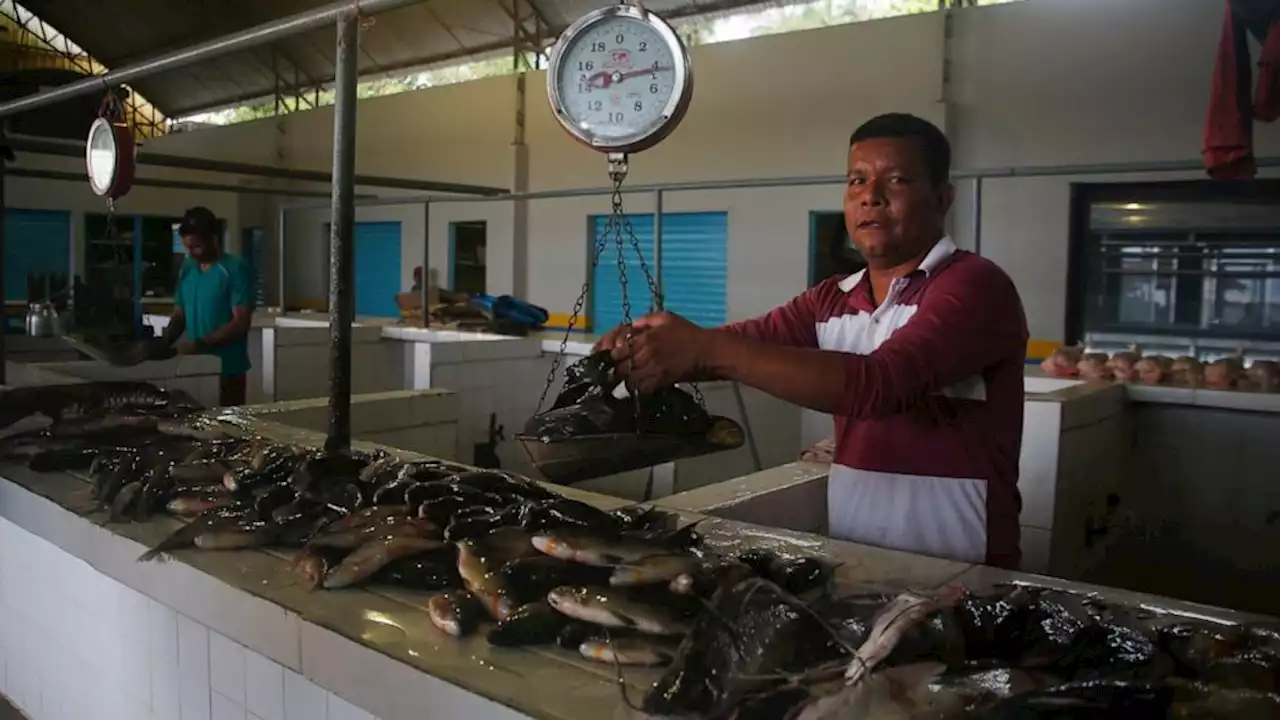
(736, 636)
(1016, 651)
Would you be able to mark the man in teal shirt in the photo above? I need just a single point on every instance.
(213, 304)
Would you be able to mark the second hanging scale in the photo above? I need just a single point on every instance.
(619, 81)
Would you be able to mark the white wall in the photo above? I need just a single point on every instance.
(1039, 82)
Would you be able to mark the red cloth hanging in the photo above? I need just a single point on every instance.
(1228, 131)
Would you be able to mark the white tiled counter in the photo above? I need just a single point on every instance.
(295, 361)
(88, 632)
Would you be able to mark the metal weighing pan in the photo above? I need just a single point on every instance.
(568, 462)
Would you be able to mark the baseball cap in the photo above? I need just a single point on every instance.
(198, 221)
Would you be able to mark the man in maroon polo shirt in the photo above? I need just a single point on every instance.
(919, 358)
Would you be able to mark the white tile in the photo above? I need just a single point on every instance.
(165, 674)
(340, 709)
(264, 687)
(303, 699)
(226, 667)
(226, 709)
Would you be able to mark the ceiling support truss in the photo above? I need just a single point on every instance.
(146, 121)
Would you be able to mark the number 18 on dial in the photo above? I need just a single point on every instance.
(619, 79)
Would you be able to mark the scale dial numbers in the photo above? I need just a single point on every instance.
(619, 82)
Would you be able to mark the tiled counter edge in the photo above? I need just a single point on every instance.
(79, 609)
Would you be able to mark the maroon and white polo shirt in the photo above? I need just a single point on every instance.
(930, 421)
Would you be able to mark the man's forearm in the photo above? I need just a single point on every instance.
(228, 333)
(811, 378)
(177, 325)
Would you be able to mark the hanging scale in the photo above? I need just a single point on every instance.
(619, 82)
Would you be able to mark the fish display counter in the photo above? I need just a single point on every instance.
(161, 561)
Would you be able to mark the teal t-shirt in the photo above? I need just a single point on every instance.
(207, 297)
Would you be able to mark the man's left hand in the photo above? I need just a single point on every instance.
(664, 349)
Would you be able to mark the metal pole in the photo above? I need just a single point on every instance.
(75, 149)
(804, 181)
(426, 259)
(79, 177)
(977, 216)
(280, 265)
(341, 309)
(263, 34)
(657, 248)
(4, 310)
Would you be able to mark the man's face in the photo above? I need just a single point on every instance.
(199, 247)
(893, 210)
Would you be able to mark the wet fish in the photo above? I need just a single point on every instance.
(192, 504)
(421, 493)
(561, 512)
(481, 526)
(203, 472)
(590, 548)
(614, 608)
(371, 557)
(638, 651)
(435, 570)
(313, 564)
(653, 569)
(893, 620)
(185, 536)
(456, 612)
(368, 516)
(531, 578)
(480, 559)
(533, 623)
(268, 499)
(353, 538)
(125, 501)
(578, 632)
(237, 535)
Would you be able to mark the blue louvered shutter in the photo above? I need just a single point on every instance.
(377, 268)
(36, 241)
(694, 252)
(694, 265)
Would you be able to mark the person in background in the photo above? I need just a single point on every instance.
(213, 304)
(919, 358)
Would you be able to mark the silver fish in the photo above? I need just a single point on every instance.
(613, 608)
(637, 651)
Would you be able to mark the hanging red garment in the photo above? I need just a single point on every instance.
(1228, 132)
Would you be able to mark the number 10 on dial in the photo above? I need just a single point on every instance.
(619, 79)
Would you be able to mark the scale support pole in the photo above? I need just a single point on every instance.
(341, 276)
(253, 37)
(4, 313)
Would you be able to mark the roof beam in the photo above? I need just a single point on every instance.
(73, 148)
(253, 37)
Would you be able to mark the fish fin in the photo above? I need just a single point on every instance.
(683, 537)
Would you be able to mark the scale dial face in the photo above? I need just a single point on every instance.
(619, 79)
(101, 155)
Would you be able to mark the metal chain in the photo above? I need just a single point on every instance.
(593, 261)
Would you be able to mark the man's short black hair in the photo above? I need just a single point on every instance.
(199, 221)
(937, 149)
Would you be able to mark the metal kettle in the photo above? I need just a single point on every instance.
(42, 319)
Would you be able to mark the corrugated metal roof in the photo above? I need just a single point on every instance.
(430, 32)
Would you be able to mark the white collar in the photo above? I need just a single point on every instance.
(938, 254)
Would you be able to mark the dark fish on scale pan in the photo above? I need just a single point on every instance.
(432, 570)
(534, 623)
(59, 402)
